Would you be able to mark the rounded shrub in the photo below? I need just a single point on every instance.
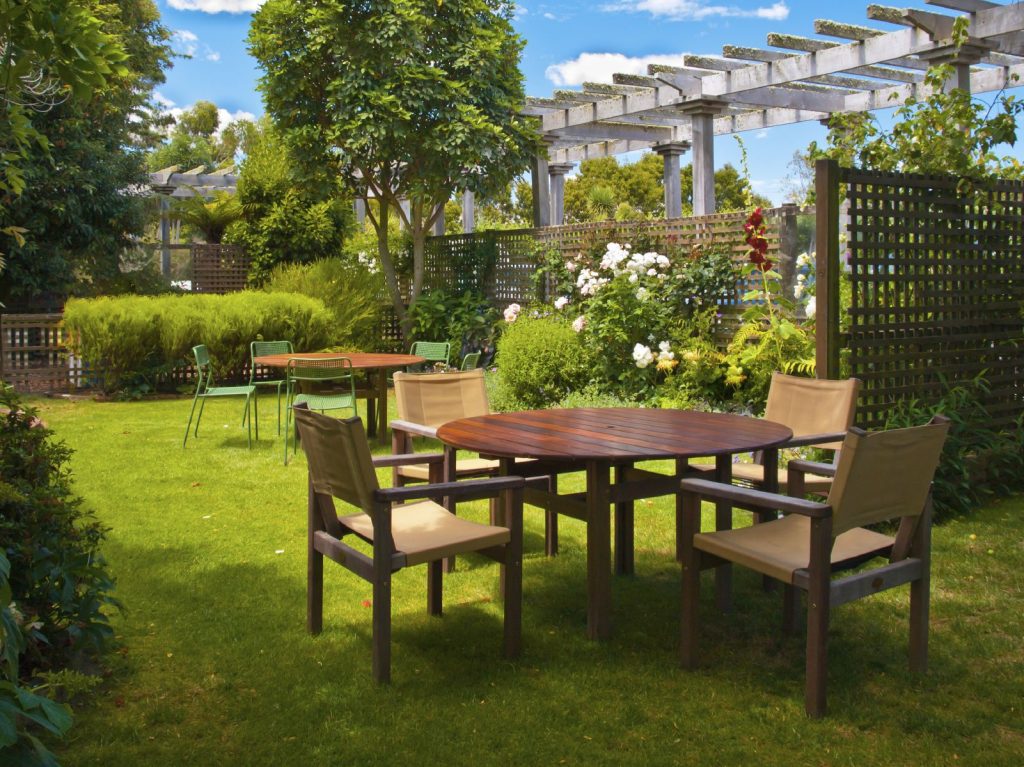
(540, 361)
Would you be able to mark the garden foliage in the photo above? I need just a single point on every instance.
(468, 322)
(541, 361)
(54, 585)
(351, 291)
(135, 342)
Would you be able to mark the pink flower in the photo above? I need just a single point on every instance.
(512, 312)
(579, 323)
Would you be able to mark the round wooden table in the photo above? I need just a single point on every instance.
(369, 361)
(597, 439)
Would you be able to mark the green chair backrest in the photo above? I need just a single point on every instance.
(204, 370)
(321, 369)
(470, 361)
(432, 351)
(262, 348)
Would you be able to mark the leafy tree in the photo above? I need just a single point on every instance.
(288, 213)
(408, 99)
(194, 143)
(74, 207)
(209, 217)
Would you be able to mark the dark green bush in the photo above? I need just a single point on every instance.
(468, 322)
(540, 361)
(977, 461)
(350, 291)
(133, 342)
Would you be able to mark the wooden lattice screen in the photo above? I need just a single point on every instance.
(219, 268)
(32, 354)
(937, 290)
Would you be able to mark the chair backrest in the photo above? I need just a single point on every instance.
(204, 370)
(812, 405)
(433, 399)
(339, 457)
(886, 474)
(320, 369)
(432, 351)
(470, 361)
(262, 348)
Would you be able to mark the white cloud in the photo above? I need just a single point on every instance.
(761, 134)
(216, 6)
(697, 10)
(212, 55)
(599, 67)
(184, 42)
(226, 118)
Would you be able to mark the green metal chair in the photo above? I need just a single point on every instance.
(471, 361)
(317, 372)
(205, 389)
(259, 349)
(432, 351)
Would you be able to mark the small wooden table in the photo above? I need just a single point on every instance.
(367, 361)
(597, 439)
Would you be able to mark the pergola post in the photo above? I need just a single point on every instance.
(673, 191)
(962, 59)
(541, 189)
(468, 212)
(359, 207)
(556, 173)
(165, 235)
(702, 132)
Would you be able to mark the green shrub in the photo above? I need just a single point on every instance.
(468, 322)
(134, 342)
(540, 361)
(977, 461)
(352, 293)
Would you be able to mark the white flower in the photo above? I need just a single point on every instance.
(512, 311)
(579, 323)
(652, 272)
(633, 277)
(803, 260)
(811, 307)
(665, 346)
(801, 278)
(570, 266)
(662, 260)
(798, 290)
(561, 301)
(642, 355)
(641, 293)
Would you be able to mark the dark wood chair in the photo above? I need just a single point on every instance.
(880, 476)
(405, 527)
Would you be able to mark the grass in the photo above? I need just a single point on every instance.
(215, 666)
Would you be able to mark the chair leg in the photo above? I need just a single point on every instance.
(512, 577)
(382, 625)
(247, 418)
(551, 522)
(818, 602)
(919, 592)
(314, 589)
(199, 416)
(188, 426)
(279, 408)
(790, 609)
(434, 587)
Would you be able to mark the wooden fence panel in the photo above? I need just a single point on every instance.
(219, 268)
(937, 290)
(33, 357)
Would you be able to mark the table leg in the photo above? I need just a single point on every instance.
(599, 544)
(770, 460)
(382, 406)
(505, 468)
(624, 518)
(723, 521)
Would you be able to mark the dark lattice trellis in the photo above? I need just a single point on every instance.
(937, 290)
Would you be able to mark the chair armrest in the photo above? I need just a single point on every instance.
(815, 439)
(406, 459)
(414, 428)
(813, 467)
(755, 498)
(480, 488)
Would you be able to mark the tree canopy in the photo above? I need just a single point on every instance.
(74, 206)
(408, 99)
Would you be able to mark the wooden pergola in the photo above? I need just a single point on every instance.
(675, 109)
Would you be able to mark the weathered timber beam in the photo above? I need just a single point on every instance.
(968, 6)
(853, 83)
(813, 45)
(940, 27)
(613, 131)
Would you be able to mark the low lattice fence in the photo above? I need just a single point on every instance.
(33, 357)
(219, 268)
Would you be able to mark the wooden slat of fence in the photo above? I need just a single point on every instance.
(33, 357)
(219, 268)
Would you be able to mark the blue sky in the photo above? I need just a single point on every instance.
(566, 42)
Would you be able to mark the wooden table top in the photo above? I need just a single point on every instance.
(360, 360)
(612, 434)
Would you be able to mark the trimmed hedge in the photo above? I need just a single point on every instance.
(540, 362)
(137, 341)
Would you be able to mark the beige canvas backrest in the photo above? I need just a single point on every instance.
(812, 405)
(339, 457)
(885, 474)
(434, 399)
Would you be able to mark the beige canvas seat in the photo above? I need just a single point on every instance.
(880, 476)
(426, 401)
(819, 411)
(405, 526)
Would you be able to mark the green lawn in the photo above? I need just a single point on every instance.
(215, 666)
